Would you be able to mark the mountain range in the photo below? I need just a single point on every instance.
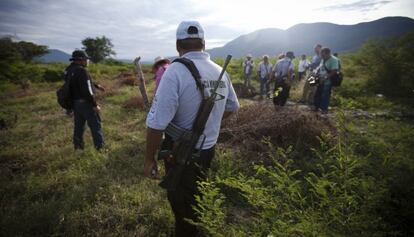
(301, 38)
(54, 56)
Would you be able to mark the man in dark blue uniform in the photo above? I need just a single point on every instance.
(85, 108)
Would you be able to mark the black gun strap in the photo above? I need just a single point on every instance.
(194, 72)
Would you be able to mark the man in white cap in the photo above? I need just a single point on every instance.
(176, 104)
(248, 66)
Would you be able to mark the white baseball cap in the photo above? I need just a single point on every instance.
(190, 30)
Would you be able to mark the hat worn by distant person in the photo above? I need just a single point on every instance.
(79, 55)
(158, 61)
(290, 54)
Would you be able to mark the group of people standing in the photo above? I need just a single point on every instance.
(323, 65)
(177, 99)
(180, 92)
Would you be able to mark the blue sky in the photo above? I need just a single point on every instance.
(147, 28)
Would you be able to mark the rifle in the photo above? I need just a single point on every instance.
(184, 147)
(141, 82)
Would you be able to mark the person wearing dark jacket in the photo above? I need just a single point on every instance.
(69, 112)
(85, 108)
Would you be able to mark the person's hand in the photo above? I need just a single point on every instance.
(151, 169)
(97, 109)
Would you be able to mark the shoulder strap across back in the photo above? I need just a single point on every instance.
(194, 72)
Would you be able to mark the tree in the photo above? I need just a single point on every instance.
(389, 65)
(15, 58)
(98, 49)
(29, 50)
(22, 50)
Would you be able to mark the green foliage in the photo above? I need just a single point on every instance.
(22, 50)
(348, 191)
(390, 145)
(20, 71)
(213, 217)
(13, 59)
(389, 65)
(98, 48)
(111, 61)
(29, 50)
(53, 76)
(8, 51)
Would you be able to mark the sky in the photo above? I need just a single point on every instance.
(147, 28)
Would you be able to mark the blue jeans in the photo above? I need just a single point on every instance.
(83, 112)
(247, 79)
(264, 86)
(323, 96)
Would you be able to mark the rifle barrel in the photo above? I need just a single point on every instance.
(226, 63)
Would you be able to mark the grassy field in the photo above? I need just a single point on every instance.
(47, 189)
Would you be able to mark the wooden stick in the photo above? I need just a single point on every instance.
(141, 82)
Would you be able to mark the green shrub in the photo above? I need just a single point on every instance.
(389, 65)
(341, 195)
(25, 72)
(53, 75)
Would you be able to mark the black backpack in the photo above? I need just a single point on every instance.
(64, 96)
(337, 79)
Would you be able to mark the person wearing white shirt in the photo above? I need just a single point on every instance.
(303, 67)
(248, 66)
(176, 103)
(264, 70)
(283, 74)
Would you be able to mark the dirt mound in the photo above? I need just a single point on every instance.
(128, 79)
(283, 126)
(109, 91)
(134, 103)
(244, 92)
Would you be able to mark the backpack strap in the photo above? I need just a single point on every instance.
(326, 69)
(194, 72)
(329, 71)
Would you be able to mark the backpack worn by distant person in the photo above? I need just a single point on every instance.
(337, 79)
(64, 97)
